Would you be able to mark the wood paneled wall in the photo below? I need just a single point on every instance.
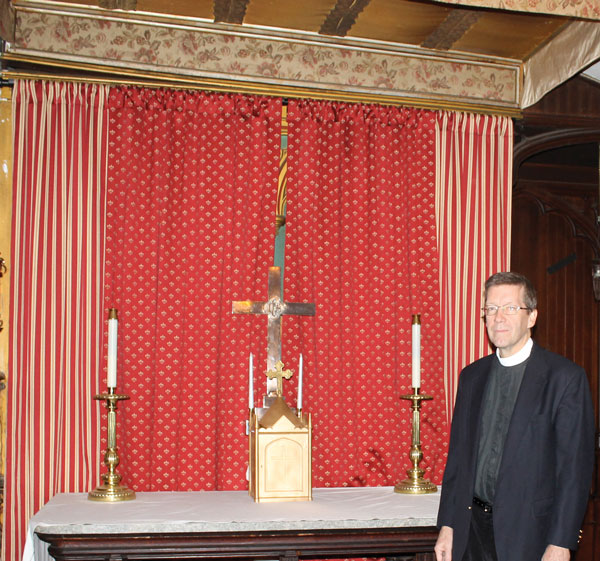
(556, 237)
(546, 249)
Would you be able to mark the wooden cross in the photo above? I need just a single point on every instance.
(274, 308)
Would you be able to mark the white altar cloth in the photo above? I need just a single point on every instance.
(232, 511)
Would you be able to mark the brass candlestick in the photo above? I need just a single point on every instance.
(415, 484)
(111, 490)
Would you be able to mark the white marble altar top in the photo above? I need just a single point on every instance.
(230, 511)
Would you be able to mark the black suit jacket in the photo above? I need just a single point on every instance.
(546, 468)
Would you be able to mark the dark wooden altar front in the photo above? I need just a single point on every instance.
(399, 543)
(337, 523)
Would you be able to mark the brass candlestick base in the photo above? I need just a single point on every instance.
(414, 484)
(111, 490)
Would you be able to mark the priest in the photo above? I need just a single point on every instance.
(521, 454)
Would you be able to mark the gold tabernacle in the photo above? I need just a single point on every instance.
(280, 454)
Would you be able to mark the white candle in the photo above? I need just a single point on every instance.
(299, 404)
(111, 371)
(416, 351)
(251, 384)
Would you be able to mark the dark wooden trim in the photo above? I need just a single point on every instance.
(549, 140)
(288, 545)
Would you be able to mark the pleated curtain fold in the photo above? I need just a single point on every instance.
(362, 246)
(473, 214)
(192, 189)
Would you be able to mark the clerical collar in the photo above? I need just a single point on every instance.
(518, 357)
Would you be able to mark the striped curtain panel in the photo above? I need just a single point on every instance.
(473, 211)
(56, 346)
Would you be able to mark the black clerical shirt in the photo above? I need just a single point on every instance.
(498, 404)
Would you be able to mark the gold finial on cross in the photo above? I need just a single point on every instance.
(279, 373)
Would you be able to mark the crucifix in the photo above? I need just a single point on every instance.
(273, 308)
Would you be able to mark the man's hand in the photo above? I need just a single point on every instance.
(556, 553)
(443, 546)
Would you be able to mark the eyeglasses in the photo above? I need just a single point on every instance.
(508, 310)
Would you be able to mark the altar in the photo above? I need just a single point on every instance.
(337, 523)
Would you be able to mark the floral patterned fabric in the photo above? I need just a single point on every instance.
(269, 61)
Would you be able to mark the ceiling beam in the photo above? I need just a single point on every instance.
(230, 11)
(118, 4)
(342, 17)
(456, 24)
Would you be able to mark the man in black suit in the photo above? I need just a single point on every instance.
(521, 450)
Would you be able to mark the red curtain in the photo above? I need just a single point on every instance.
(362, 245)
(60, 134)
(186, 226)
(473, 210)
(190, 228)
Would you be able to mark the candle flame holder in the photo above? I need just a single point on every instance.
(111, 490)
(415, 484)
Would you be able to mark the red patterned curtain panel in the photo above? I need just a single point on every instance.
(473, 209)
(362, 245)
(190, 228)
(60, 133)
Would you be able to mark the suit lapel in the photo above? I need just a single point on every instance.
(530, 391)
(476, 401)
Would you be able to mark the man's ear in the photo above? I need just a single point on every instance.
(532, 318)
